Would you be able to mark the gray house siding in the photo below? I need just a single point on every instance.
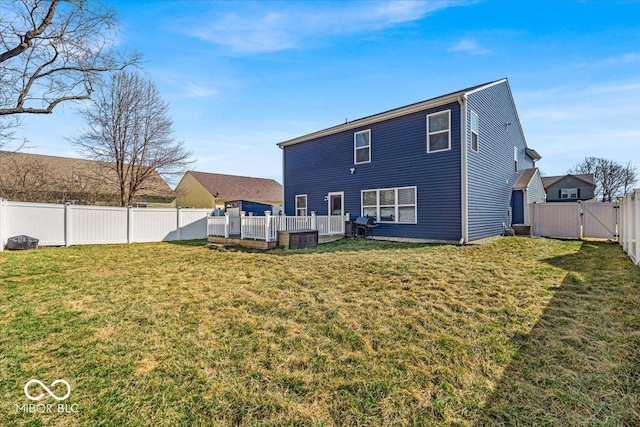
(585, 189)
(399, 158)
(490, 171)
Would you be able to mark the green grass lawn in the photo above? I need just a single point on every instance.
(516, 332)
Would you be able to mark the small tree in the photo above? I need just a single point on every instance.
(610, 178)
(129, 128)
(52, 52)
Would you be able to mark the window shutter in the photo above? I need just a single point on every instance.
(559, 194)
(578, 193)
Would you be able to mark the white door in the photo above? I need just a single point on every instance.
(336, 203)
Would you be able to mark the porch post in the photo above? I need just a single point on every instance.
(314, 221)
(226, 225)
(267, 226)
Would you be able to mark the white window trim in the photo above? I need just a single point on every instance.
(515, 159)
(355, 148)
(335, 193)
(438, 132)
(396, 206)
(306, 204)
(477, 132)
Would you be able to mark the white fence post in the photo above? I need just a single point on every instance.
(242, 214)
(129, 225)
(67, 224)
(628, 226)
(636, 212)
(227, 223)
(3, 218)
(178, 225)
(580, 220)
(314, 221)
(267, 226)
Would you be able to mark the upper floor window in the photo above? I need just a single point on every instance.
(475, 132)
(515, 159)
(301, 205)
(569, 193)
(439, 131)
(362, 146)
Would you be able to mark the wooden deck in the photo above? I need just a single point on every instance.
(261, 244)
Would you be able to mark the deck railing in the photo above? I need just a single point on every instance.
(267, 227)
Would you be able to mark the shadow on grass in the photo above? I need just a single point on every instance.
(342, 245)
(191, 243)
(579, 363)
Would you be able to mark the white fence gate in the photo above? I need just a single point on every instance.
(575, 220)
(630, 225)
(65, 225)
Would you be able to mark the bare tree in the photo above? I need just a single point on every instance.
(53, 51)
(610, 178)
(129, 128)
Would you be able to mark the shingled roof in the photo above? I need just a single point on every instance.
(51, 174)
(550, 180)
(233, 187)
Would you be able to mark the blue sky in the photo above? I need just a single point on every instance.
(242, 76)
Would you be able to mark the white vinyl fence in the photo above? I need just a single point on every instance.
(65, 225)
(267, 227)
(575, 220)
(630, 225)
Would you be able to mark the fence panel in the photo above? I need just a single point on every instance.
(556, 219)
(44, 221)
(630, 225)
(153, 225)
(193, 223)
(599, 220)
(97, 225)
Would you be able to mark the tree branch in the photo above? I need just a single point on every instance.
(26, 39)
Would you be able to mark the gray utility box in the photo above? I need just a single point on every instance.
(298, 239)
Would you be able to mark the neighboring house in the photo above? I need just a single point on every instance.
(569, 188)
(235, 207)
(527, 189)
(51, 179)
(214, 190)
(441, 169)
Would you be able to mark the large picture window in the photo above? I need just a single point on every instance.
(301, 205)
(439, 131)
(395, 205)
(362, 146)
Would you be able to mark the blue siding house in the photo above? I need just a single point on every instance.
(439, 170)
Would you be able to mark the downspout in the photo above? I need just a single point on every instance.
(462, 100)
